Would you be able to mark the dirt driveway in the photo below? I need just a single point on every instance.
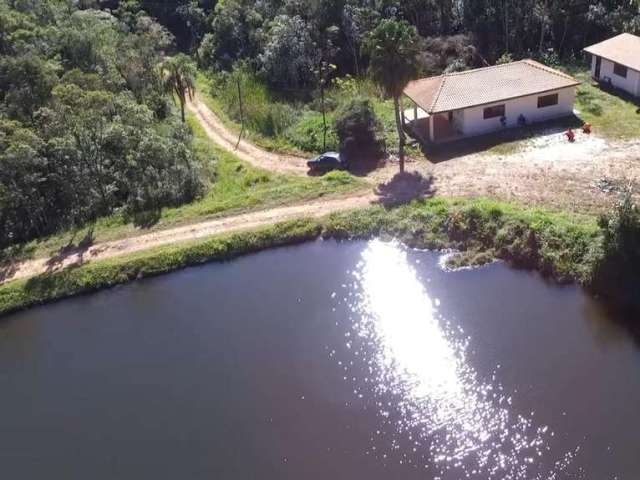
(246, 151)
(101, 251)
(584, 176)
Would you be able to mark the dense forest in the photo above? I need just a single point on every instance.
(88, 125)
(283, 39)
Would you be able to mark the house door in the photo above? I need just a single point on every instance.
(596, 74)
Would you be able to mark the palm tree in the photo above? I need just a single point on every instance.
(393, 48)
(178, 75)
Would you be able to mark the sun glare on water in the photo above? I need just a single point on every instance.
(442, 416)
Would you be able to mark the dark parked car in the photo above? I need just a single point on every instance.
(327, 161)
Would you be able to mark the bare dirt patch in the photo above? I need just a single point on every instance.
(548, 171)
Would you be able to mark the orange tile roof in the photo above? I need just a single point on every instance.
(623, 49)
(455, 91)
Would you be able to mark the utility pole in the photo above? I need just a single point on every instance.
(506, 26)
(241, 112)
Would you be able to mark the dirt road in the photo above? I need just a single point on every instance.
(115, 248)
(246, 151)
(548, 172)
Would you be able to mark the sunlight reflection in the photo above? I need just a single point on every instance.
(458, 422)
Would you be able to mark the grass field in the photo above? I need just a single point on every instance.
(234, 187)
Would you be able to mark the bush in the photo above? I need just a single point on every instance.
(505, 58)
(616, 275)
(358, 130)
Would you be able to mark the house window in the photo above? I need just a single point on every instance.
(620, 70)
(548, 100)
(494, 112)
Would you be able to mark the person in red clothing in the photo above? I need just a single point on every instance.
(570, 134)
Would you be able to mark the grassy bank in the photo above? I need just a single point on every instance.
(562, 246)
(233, 187)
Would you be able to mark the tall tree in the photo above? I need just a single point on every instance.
(393, 48)
(179, 75)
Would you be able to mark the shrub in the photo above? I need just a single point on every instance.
(506, 57)
(358, 130)
(616, 275)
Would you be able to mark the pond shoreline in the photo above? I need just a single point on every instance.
(560, 246)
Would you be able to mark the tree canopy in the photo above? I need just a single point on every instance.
(393, 49)
(86, 127)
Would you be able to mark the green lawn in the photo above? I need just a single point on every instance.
(611, 115)
(235, 187)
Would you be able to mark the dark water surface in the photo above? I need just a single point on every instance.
(324, 361)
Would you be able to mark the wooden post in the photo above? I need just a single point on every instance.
(324, 115)
(431, 129)
(241, 113)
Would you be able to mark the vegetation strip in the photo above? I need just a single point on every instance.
(561, 246)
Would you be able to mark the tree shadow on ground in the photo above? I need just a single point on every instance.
(10, 258)
(361, 167)
(71, 249)
(405, 187)
(460, 148)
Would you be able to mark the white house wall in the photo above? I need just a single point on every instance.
(631, 84)
(475, 123)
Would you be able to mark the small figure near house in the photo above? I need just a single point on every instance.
(522, 120)
(586, 128)
(570, 134)
(503, 121)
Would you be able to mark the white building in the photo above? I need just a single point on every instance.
(617, 62)
(463, 104)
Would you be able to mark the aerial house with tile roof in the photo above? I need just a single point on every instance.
(616, 62)
(475, 102)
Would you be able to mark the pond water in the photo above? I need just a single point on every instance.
(361, 360)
